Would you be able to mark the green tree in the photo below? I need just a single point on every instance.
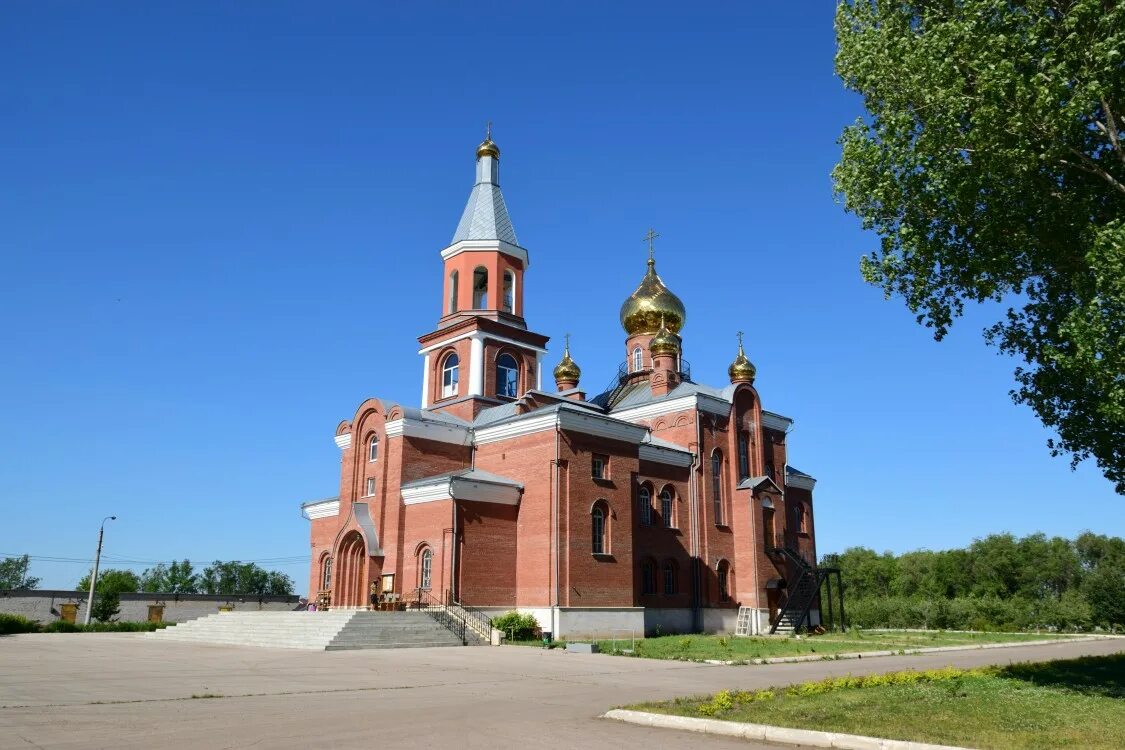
(1095, 550)
(992, 167)
(1104, 589)
(111, 581)
(107, 605)
(865, 572)
(14, 573)
(235, 577)
(174, 578)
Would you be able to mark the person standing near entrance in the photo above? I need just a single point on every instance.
(374, 594)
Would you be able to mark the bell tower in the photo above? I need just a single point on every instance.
(481, 353)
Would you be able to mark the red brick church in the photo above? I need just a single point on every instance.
(661, 503)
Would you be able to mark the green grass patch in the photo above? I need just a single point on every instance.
(730, 648)
(1074, 703)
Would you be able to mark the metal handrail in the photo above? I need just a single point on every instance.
(441, 613)
(624, 371)
(474, 618)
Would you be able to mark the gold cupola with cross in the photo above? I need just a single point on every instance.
(742, 370)
(652, 302)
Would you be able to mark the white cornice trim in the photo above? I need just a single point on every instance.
(516, 429)
(661, 455)
(427, 493)
(425, 430)
(459, 488)
(485, 492)
(611, 429)
(325, 509)
(481, 335)
(801, 483)
(684, 403)
(343, 442)
(507, 248)
(699, 401)
(776, 422)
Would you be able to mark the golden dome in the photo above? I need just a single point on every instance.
(567, 370)
(741, 369)
(488, 148)
(664, 342)
(642, 312)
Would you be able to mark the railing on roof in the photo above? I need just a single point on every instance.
(625, 372)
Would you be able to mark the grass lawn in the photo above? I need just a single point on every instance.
(729, 648)
(1076, 703)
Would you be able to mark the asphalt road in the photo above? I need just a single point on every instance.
(127, 691)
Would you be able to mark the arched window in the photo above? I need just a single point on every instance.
(480, 288)
(669, 578)
(326, 573)
(597, 530)
(743, 455)
(507, 376)
(373, 448)
(453, 292)
(509, 291)
(449, 376)
(666, 508)
(648, 577)
(638, 359)
(717, 484)
(425, 575)
(722, 573)
(644, 505)
(767, 524)
(797, 514)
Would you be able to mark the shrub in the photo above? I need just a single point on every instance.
(62, 626)
(518, 627)
(11, 624)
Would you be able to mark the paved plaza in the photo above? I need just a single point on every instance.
(128, 691)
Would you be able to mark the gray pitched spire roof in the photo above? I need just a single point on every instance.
(486, 215)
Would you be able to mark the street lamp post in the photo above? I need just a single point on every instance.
(97, 560)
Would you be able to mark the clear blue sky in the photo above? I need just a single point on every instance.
(220, 226)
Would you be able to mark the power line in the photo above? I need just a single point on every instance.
(292, 559)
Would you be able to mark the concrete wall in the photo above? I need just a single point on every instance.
(44, 606)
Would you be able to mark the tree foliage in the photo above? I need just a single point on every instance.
(112, 581)
(174, 578)
(997, 581)
(992, 167)
(15, 573)
(243, 578)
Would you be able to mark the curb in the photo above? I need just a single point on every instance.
(901, 652)
(767, 733)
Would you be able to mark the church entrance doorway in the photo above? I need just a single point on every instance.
(350, 589)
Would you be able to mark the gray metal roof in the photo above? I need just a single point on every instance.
(793, 471)
(486, 216)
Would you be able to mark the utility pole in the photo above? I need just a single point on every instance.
(97, 560)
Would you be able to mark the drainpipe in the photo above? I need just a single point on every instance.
(555, 531)
(693, 494)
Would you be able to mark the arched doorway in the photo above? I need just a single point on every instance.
(350, 588)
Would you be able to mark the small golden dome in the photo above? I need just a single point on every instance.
(664, 342)
(643, 310)
(741, 369)
(567, 370)
(488, 148)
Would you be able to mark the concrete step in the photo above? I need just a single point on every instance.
(333, 630)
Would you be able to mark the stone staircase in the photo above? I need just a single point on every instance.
(395, 630)
(317, 631)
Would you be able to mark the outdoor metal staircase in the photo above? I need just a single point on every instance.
(803, 587)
